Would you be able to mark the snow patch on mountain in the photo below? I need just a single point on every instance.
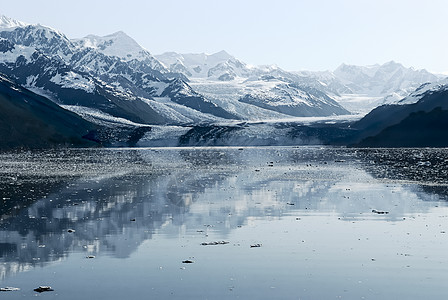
(75, 81)
(167, 112)
(13, 54)
(423, 90)
(42, 92)
(99, 117)
(179, 114)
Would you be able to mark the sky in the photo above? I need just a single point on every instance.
(313, 35)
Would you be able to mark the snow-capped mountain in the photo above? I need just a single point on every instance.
(46, 39)
(247, 90)
(100, 74)
(8, 23)
(113, 80)
(370, 86)
(218, 66)
(120, 45)
(358, 88)
(117, 65)
(378, 80)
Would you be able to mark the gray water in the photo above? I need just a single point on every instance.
(328, 223)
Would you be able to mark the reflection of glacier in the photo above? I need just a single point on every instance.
(175, 191)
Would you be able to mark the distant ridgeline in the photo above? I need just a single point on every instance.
(109, 91)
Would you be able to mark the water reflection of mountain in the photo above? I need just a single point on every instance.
(116, 199)
(108, 212)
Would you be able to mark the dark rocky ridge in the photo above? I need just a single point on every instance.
(33, 121)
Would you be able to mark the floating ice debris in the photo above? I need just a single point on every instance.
(9, 289)
(187, 261)
(255, 246)
(214, 243)
(380, 212)
(43, 288)
(71, 230)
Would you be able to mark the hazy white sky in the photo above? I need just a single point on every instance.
(294, 34)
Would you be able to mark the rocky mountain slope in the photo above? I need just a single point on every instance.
(32, 121)
(417, 120)
(418, 129)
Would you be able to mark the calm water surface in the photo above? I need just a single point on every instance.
(328, 223)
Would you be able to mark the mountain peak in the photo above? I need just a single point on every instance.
(392, 63)
(6, 23)
(224, 55)
(117, 44)
(119, 34)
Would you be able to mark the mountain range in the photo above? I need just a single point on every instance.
(124, 95)
(358, 88)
